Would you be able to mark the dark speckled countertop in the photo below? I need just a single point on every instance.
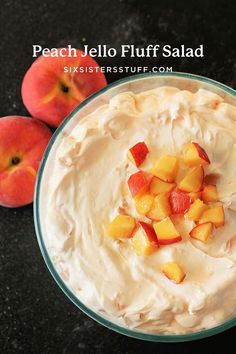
(35, 316)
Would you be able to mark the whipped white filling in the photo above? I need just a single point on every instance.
(87, 188)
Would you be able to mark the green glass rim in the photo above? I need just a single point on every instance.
(95, 316)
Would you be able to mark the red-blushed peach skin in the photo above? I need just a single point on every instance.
(150, 232)
(138, 183)
(202, 153)
(22, 144)
(50, 95)
(180, 201)
(138, 153)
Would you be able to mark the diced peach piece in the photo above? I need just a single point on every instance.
(196, 210)
(173, 272)
(138, 183)
(215, 215)
(121, 227)
(210, 194)
(195, 155)
(160, 207)
(157, 186)
(202, 232)
(166, 168)
(138, 153)
(192, 182)
(144, 240)
(179, 201)
(166, 232)
(195, 195)
(144, 203)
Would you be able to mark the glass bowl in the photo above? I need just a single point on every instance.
(135, 84)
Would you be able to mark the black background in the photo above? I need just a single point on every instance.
(35, 316)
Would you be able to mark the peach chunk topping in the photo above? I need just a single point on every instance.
(180, 201)
(144, 240)
(173, 272)
(166, 232)
(196, 210)
(138, 183)
(215, 215)
(210, 194)
(160, 207)
(138, 153)
(195, 155)
(202, 232)
(192, 182)
(121, 227)
(158, 186)
(144, 203)
(167, 199)
(166, 168)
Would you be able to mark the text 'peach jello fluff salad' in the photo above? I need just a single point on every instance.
(140, 211)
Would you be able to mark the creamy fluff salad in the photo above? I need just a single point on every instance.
(87, 188)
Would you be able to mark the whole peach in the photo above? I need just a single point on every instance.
(22, 144)
(50, 92)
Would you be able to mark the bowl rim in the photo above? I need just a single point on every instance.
(36, 211)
